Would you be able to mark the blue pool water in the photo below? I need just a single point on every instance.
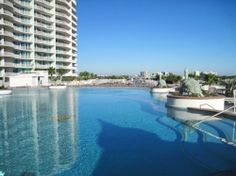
(105, 132)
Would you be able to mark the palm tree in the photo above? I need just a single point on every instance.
(51, 72)
(211, 79)
(85, 75)
(230, 86)
(61, 72)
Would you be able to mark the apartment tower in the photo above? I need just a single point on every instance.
(36, 35)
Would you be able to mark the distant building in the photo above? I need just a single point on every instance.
(144, 74)
(197, 73)
(210, 72)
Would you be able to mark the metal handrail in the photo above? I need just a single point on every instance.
(217, 137)
(217, 114)
(206, 105)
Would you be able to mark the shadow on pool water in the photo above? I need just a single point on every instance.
(130, 151)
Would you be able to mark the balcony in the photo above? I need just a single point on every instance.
(7, 54)
(43, 34)
(22, 30)
(63, 66)
(23, 4)
(43, 50)
(7, 64)
(44, 26)
(22, 65)
(8, 44)
(63, 45)
(24, 39)
(23, 21)
(62, 37)
(44, 58)
(64, 23)
(6, 23)
(45, 3)
(61, 7)
(43, 10)
(63, 52)
(43, 17)
(63, 16)
(19, 47)
(7, 33)
(63, 30)
(41, 66)
(7, 14)
(68, 60)
(22, 12)
(22, 57)
(7, 2)
(43, 42)
(65, 2)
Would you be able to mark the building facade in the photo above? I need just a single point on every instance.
(36, 35)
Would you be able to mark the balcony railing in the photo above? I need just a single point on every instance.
(45, 18)
(23, 3)
(43, 50)
(41, 66)
(22, 47)
(62, 30)
(6, 43)
(45, 10)
(62, 52)
(63, 60)
(6, 22)
(63, 66)
(62, 37)
(43, 58)
(63, 45)
(43, 42)
(45, 34)
(24, 21)
(20, 65)
(43, 25)
(24, 30)
(62, 14)
(22, 56)
(6, 12)
(23, 12)
(7, 2)
(61, 7)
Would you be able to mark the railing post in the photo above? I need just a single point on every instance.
(234, 101)
(233, 136)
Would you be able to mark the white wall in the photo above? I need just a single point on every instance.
(28, 80)
(207, 103)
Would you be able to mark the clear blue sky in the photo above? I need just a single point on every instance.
(128, 36)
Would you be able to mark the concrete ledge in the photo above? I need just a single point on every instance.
(162, 90)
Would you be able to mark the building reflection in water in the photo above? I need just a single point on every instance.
(38, 131)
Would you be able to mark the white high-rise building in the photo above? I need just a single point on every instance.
(36, 35)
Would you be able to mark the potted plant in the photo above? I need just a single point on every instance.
(191, 95)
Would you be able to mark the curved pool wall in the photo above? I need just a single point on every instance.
(98, 131)
(217, 103)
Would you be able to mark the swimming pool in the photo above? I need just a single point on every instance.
(105, 132)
